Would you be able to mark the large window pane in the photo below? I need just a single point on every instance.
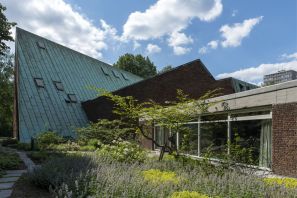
(255, 136)
(161, 136)
(188, 139)
(213, 138)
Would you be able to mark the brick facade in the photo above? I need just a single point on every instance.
(284, 139)
(193, 78)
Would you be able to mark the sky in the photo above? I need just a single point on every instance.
(233, 38)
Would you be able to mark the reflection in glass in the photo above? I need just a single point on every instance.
(213, 138)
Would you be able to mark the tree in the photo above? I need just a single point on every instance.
(6, 93)
(140, 116)
(5, 27)
(165, 69)
(137, 64)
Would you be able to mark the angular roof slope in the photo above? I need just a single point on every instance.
(40, 109)
(193, 78)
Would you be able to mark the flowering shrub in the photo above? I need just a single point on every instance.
(47, 138)
(156, 176)
(69, 146)
(287, 182)
(123, 151)
(188, 194)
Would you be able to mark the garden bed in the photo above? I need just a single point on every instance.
(98, 175)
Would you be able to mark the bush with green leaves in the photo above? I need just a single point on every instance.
(123, 151)
(106, 131)
(48, 138)
(9, 160)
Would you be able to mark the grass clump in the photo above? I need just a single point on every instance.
(188, 194)
(287, 182)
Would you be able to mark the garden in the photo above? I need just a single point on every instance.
(106, 160)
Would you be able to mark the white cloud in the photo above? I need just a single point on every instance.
(60, 22)
(256, 74)
(177, 40)
(234, 34)
(170, 18)
(289, 56)
(203, 50)
(136, 45)
(152, 49)
(211, 45)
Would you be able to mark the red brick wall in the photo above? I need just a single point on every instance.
(193, 78)
(284, 139)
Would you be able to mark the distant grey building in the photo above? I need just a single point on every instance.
(279, 77)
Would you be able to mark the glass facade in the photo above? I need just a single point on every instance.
(210, 134)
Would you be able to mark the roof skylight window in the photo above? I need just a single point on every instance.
(115, 73)
(41, 45)
(59, 86)
(105, 71)
(72, 98)
(39, 82)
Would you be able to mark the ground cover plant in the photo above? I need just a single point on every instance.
(9, 160)
(83, 175)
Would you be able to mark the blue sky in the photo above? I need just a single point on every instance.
(243, 39)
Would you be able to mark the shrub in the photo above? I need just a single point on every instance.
(60, 169)
(38, 156)
(287, 182)
(48, 138)
(156, 176)
(87, 148)
(69, 146)
(106, 131)
(188, 194)
(123, 151)
(9, 141)
(9, 161)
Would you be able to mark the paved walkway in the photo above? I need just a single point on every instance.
(11, 176)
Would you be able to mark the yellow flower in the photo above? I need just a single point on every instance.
(188, 194)
(287, 182)
(158, 176)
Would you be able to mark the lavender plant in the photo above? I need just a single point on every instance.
(106, 177)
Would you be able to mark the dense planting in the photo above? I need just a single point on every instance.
(101, 176)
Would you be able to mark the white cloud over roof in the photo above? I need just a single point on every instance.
(60, 22)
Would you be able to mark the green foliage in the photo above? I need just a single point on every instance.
(60, 169)
(140, 116)
(105, 131)
(5, 34)
(123, 151)
(38, 156)
(9, 160)
(8, 141)
(137, 64)
(287, 182)
(47, 139)
(165, 69)
(6, 93)
(107, 177)
(68, 146)
(156, 176)
(188, 194)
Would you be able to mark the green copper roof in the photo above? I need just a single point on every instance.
(47, 72)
